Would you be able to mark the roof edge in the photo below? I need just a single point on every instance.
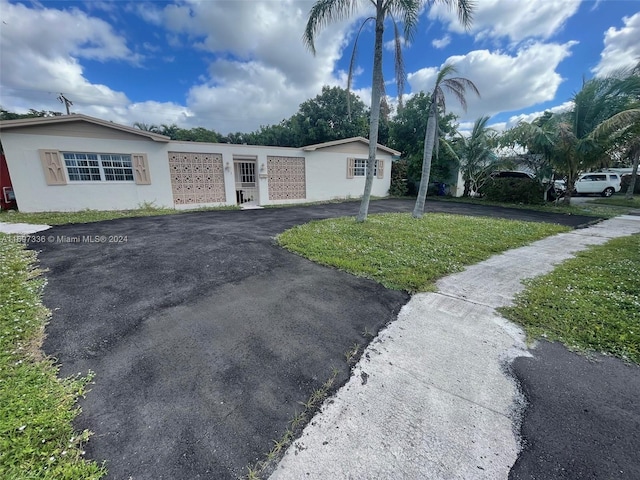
(74, 117)
(317, 146)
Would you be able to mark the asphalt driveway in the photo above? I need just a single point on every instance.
(204, 335)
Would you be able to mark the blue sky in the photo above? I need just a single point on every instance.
(235, 65)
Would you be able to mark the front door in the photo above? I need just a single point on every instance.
(246, 186)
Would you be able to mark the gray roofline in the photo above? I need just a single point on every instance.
(75, 117)
(311, 148)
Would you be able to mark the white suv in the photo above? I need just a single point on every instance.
(604, 183)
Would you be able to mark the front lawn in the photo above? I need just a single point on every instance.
(37, 440)
(590, 302)
(403, 253)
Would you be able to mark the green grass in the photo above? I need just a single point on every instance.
(88, 216)
(37, 440)
(619, 201)
(589, 209)
(403, 253)
(590, 303)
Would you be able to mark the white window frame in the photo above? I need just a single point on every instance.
(360, 167)
(97, 167)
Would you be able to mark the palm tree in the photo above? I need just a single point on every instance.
(146, 127)
(605, 111)
(622, 130)
(476, 153)
(324, 12)
(458, 87)
(634, 154)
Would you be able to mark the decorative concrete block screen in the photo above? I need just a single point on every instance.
(286, 178)
(196, 178)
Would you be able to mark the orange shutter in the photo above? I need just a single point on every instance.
(380, 168)
(53, 167)
(141, 168)
(351, 167)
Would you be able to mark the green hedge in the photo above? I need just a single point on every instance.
(514, 190)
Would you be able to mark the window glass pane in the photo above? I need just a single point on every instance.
(93, 167)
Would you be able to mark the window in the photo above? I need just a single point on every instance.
(360, 167)
(245, 173)
(98, 167)
(357, 167)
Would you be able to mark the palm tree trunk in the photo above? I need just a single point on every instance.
(376, 94)
(429, 143)
(634, 174)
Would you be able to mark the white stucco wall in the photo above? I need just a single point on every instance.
(231, 151)
(34, 195)
(327, 176)
(325, 171)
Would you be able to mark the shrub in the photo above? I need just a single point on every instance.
(514, 190)
(626, 180)
(399, 171)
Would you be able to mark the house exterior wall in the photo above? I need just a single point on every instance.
(330, 180)
(324, 170)
(231, 152)
(34, 195)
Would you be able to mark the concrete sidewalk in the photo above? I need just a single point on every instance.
(432, 397)
(22, 228)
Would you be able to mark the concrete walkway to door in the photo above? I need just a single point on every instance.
(433, 396)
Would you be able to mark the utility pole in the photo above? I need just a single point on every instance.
(66, 101)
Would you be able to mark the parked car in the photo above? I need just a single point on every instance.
(604, 183)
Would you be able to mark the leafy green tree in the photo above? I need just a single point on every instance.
(327, 117)
(7, 115)
(458, 87)
(407, 136)
(406, 12)
(537, 138)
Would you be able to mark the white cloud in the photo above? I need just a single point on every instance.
(530, 117)
(441, 42)
(259, 74)
(390, 45)
(621, 47)
(517, 20)
(262, 71)
(506, 82)
(38, 63)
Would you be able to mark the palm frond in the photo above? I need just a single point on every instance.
(617, 122)
(399, 62)
(352, 63)
(324, 12)
(464, 10)
(458, 87)
(408, 11)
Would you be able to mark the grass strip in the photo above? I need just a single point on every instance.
(590, 303)
(619, 201)
(403, 253)
(89, 216)
(261, 468)
(589, 209)
(37, 440)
